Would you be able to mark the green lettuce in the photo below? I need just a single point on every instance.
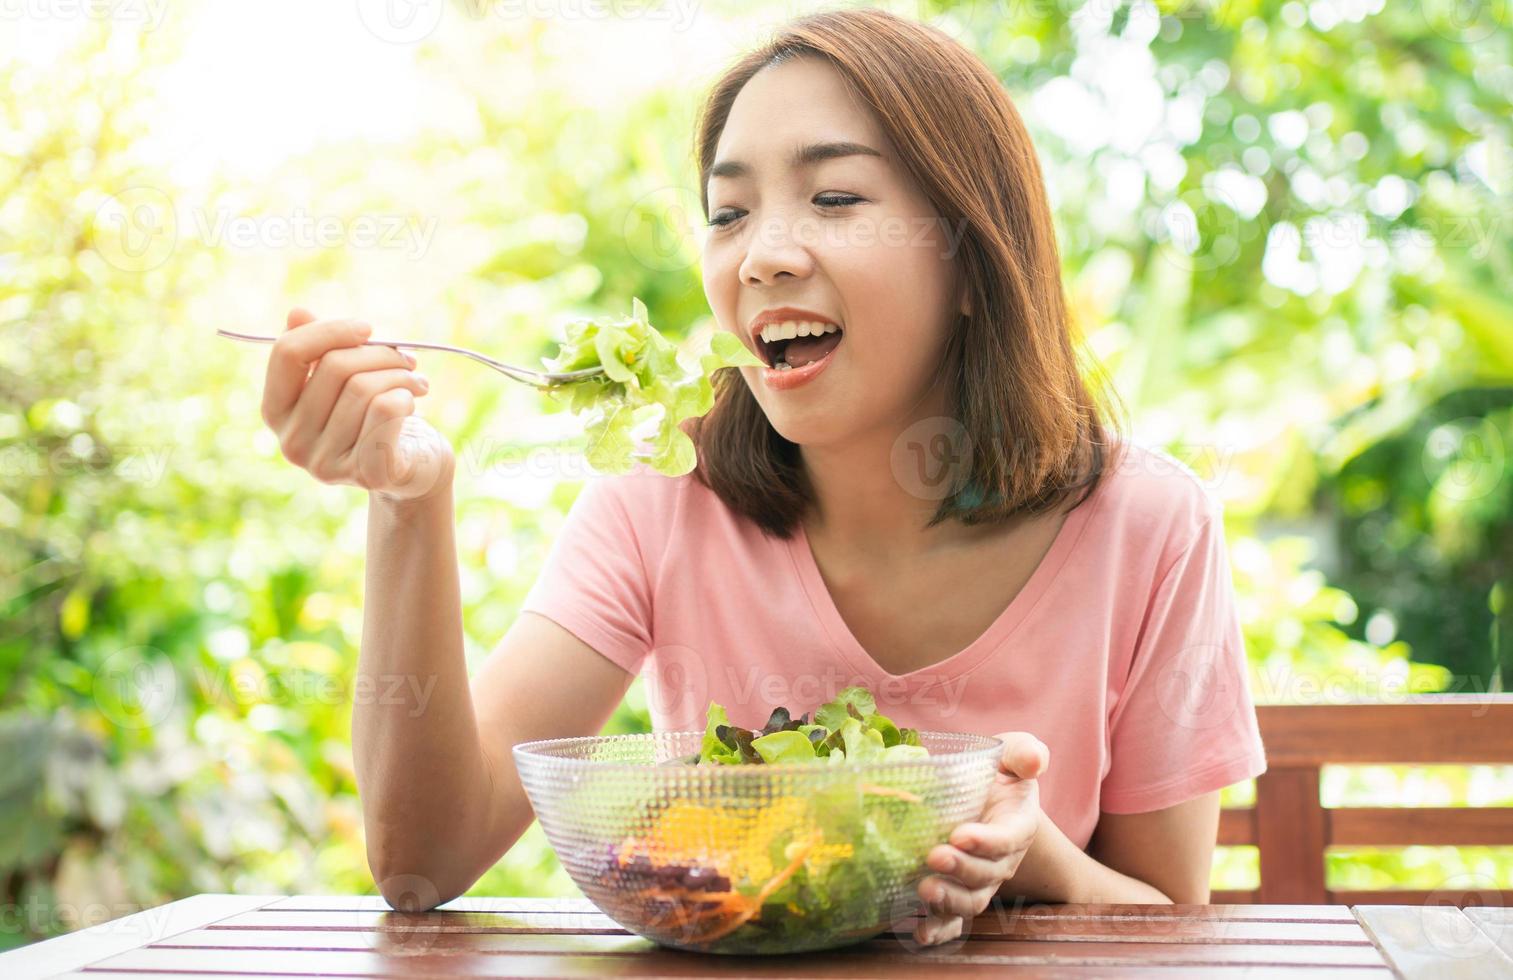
(787, 746)
(642, 377)
(713, 750)
(833, 714)
(848, 727)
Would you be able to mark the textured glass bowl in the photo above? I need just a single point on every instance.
(751, 858)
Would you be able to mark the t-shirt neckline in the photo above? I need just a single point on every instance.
(807, 571)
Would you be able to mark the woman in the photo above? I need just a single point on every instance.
(920, 495)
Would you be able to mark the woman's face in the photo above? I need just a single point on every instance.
(847, 236)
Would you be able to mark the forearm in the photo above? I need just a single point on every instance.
(415, 741)
(1056, 870)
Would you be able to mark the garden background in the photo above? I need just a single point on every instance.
(1285, 229)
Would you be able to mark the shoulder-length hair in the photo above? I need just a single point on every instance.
(1035, 433)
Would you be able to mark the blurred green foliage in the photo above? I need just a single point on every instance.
(1284, 227)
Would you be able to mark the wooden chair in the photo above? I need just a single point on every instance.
(1291, 827)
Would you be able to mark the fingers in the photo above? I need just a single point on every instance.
(938, 929)
(298, 317)
(300, 345)
(396, 403)
(947, 898)
(1024, 755)
(983, 854)
(966, 884)
(971, 870)
(379, 458)
(344, 374)
(343, 429)
(1008, 833)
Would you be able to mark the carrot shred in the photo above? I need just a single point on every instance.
(732, 910)
(901, 794)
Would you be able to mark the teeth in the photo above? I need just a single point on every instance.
(789, 329)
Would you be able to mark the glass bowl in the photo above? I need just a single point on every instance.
(751, 858)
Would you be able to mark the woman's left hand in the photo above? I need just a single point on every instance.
(983, 854)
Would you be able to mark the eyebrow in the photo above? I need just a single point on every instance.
(805, 156)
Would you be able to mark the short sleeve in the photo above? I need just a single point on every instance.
(594, 582)
(1185, 723)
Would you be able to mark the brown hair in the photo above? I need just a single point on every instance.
(1035, 432)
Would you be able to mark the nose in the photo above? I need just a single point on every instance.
(774, 251)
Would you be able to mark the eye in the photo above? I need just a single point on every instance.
(722, 218)
(728, 216)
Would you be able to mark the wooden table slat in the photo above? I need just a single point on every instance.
(1497, 923)
(1046, 927)
(556, 922)
(1103, 951)
(1276, 913)
(1434, 942)
(671, 963)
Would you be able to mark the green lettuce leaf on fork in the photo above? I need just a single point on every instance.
(642, 376)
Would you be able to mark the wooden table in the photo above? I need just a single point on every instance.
(362, 937)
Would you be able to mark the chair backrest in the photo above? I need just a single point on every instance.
(1291, 828)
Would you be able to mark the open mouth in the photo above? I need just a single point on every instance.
(783, 347)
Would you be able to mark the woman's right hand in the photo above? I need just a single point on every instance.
(351, 420)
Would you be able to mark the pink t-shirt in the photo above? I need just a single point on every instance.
(1123, 652)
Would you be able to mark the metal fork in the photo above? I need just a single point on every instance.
(540, 379)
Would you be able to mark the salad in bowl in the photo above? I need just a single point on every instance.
(802, 834)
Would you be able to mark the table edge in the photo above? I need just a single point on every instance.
(62, 954)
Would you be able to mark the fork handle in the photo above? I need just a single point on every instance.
(523, 375)
(415, 344)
